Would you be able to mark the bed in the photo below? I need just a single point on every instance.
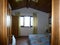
(39, 39)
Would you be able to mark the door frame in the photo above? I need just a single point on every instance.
(55, 37)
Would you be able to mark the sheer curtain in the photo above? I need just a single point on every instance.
(35, 23)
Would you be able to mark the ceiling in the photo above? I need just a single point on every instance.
(42, 5)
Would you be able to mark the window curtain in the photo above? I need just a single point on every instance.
(19, 32)
(35, 23)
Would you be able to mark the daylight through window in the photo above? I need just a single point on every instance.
(26, 21)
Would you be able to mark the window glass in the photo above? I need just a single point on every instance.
(27, 21)
(8, 20)
(31, 21)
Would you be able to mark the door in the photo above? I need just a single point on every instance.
(55, 36)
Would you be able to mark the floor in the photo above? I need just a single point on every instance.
(22, 41)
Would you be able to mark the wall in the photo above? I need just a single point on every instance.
(42, 20)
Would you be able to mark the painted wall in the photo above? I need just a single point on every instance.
(42, 20)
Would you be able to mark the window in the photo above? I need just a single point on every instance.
(8, 20)
(26, 21)
(31, 21)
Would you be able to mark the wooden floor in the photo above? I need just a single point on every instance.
(22, 41)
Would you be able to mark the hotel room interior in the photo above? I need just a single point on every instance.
(29, 22)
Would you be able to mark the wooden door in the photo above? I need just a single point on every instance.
(3, 27)
(9, 22)
(3, 23)
(55, 39)
(15, 25)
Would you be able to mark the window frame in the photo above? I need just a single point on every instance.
(24, 21)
